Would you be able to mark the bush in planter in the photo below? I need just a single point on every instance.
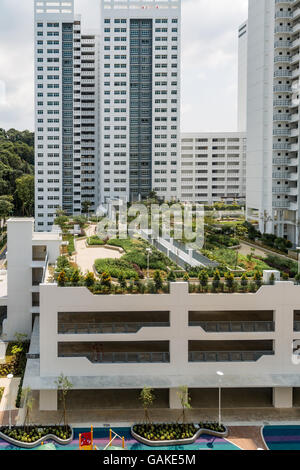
(158, 280)
(122, 281)
(257, 278)
(186, 277)
(244, 282)
(216, 279)
(203, 279)
(171, 276)
(33, 433)
(62, 279)
(105, 279)
(229, 278)
(75, 277)
(165, 432)
(89, 279)
(297, 279)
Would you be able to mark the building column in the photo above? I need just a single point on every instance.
(174, 400)
(48, 400)
(283, 397)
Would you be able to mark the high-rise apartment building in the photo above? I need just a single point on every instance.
(140, 99)
(66, 117)
(273, 188)
(213, 167)
(242, 77)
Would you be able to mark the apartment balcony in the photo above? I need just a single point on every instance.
(282, 88)
(229, 351)
(295, 43)
(295, 117)
(281, 161)
(284, 14)
(295, 132)
(281, 190)
(296, 28)
(282, 132)
(281, 59)
(283, 29)
(281, 204)
(282, 103)
(296, 13)
(294, 59)
(296, 73)
(280, 117)
(282, 73)
(295, 147)
(282, 44)
(281, 146)
(280, 175)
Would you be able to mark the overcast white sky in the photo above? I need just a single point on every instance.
(209, 61)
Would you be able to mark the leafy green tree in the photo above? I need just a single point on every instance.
(25, 193)
(185, 400)
(147, 398)
(6, 208)
(203, 279)
(89, 279)
(85, 206)
(62, 221)
(158, 280)
(64, 386)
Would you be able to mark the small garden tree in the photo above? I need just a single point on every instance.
(147, 398)
(244, 282)
(122, 281)
(186, 277)
(62, 279)
(185, 401)
(106, 279)
(171, 276)
(89, 279)
(158, 280)
(216, 280)
(229, 278)
(28, 401)
(203, 279)
(64, 386)
(257, 278)
(75, 277)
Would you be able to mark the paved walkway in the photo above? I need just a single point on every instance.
(85, 256)
(246, 437)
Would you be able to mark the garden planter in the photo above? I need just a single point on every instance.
(179, 442)
(32, 445)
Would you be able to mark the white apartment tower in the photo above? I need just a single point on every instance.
(139, 99)
(213, 167)
(242, 77)
(273, 116)
(66, 116)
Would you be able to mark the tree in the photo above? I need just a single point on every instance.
(6, 208)
(78, 220)
(186, 277)
(171, 276)
(185, 400)
(147, 398)
(62, 279)
(203, 278)
(229, 277)
(25, 193)
(244, 281)
(89, 279)
(106, 279)
(85, 207)
(64, 386)
(61, 221)
(216, 280)
(28, 402)
(75, 277)
(158, 280)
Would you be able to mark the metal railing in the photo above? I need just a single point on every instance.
(232, 327)
(227, 356)
(122, 357)
(107, 328)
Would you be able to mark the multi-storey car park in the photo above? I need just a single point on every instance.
(213, 167)
(273, 116)
(115, 345)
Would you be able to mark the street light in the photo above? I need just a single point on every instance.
(220, 375)
(10, 377)
(298, 249)
(149, 251)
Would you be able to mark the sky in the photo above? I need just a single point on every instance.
(209, 62)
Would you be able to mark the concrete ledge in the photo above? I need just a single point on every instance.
(32, 445)
(180, 442)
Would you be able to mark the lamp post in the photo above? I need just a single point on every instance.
(298, 249)
(220, 375)
(10, 377)
(148, 260)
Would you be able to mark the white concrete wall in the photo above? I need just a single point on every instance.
(282, 298)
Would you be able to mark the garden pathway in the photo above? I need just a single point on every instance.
(85, 256)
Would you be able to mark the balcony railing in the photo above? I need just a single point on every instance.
(107, 328)
(227, 356)
(232, 327)
(122, 357)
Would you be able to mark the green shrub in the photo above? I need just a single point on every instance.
(94, 241)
